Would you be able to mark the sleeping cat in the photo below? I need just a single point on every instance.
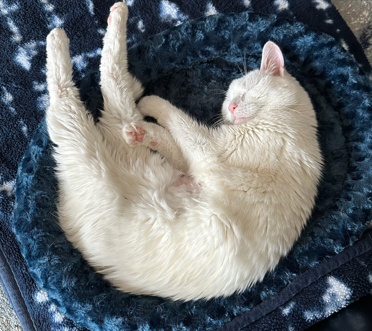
(209, 214)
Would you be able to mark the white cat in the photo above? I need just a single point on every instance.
(209, 214)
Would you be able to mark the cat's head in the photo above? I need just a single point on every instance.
(262, 93)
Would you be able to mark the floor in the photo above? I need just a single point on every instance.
(8, 318)
(358, 15)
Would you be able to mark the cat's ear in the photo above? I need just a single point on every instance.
(272, 59)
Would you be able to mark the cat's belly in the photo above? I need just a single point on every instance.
(187, 184)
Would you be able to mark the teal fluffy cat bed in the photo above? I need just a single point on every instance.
(189, 65)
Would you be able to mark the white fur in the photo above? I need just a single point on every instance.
(236, 205)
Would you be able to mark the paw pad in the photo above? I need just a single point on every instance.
(134, 135)
(112, 9)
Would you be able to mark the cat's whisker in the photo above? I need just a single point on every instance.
(296, 111)
(214, 120)
(241, 72)
(244, 64)
(217, 120)
(217, 125)
(283, 108)
(218, 91)
(216, 116)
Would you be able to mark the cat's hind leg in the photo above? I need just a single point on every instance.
(119, 88)
(69, 124)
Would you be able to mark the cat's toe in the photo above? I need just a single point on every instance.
(119, 9)
(57, 49)
(57, 37)
(114, 6)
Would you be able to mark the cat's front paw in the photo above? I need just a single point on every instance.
(152, 106)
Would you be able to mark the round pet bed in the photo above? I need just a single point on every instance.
(191, 65)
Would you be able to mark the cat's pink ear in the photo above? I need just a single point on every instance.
(272, 59)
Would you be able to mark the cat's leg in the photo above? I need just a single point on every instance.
(67, 120)
(119, 88)
(158, 139)
(192, 138)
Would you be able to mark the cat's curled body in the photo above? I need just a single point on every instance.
(209, 214)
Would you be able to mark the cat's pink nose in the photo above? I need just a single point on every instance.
(232, 107)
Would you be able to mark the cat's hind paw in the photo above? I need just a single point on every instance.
(123, 10)
(57, 36)
(141, 133)
(59, 67)
(57, 44)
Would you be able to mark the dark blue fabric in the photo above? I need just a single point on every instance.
(330, 276)
(34, 309)
(187, 65)
(329, 294)
(23, 98)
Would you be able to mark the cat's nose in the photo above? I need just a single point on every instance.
(232, 107)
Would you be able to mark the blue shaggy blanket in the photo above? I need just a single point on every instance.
(326, 270)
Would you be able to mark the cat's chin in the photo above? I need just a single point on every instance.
(230, 119)
(241, 120)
